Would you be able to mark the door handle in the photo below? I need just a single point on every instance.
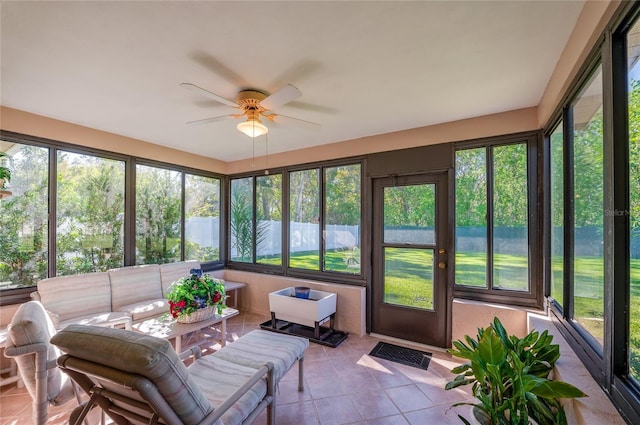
(442, 265)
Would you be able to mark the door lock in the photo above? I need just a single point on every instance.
(442, 265)
(442, 251)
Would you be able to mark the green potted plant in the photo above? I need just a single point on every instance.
(5, 173)
(196, 297)
(510, 377)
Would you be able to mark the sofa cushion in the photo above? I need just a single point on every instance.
(153, 358)
(31, 325)
(170, 272)
(259, 347)
(134, 284)
(77, 295)
(145, 309)
(112, 318)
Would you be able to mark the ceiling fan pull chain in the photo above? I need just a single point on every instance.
(253, 140)
(266, 154)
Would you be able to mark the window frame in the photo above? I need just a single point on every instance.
(534, 296)
(254, 265)
(17, 295)
(547, 212)
(135, 161)
(358, 279)
(609, 368)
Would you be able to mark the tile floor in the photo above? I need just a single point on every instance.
(343, 385)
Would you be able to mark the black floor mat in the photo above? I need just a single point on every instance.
(406, 356)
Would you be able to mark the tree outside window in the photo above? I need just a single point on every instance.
(90, 214)
(158, 215)
(23, 217)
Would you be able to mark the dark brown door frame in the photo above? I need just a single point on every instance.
(437, 323)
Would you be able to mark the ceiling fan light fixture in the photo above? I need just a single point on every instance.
(253, 128)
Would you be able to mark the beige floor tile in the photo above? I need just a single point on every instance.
(343, 385)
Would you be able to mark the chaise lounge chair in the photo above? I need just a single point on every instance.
(136, 378)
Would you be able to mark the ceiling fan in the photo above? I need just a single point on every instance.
(253, 104)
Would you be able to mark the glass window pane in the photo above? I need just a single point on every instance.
(510, 223)
(408, 277)
(241, 220)
(557, 214)
(471, 217)
(158, 193)
(90, 214)
(304, 224)
(342, 219)
(633, 71)
(588, 276)
(202, 218)
(269, 219)
(23, 216)
(410, 214)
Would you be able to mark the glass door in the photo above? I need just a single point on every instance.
(409, 290)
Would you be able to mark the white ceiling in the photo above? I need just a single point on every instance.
(363, 67)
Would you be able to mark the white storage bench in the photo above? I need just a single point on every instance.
(313, 312)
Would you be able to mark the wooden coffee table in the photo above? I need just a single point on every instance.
(167, 327)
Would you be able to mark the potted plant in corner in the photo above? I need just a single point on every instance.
(510, 377)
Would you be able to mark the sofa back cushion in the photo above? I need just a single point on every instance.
(170, 272)
(77, 295)
(31, 325)
(140, 354)
(134, 284)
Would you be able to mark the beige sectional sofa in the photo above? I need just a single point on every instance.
(117, 297)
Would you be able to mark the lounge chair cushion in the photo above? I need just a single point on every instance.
(151, 357)
(221, 378)
(259, 347)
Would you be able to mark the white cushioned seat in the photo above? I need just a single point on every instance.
(73, 296)
(130, 285)
(111, 319)
(145, 309)
(136, 292)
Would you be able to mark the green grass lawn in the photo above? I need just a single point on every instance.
(510, 271)
(409, 282)
(408, 279)
(337, 260)
(588, 296)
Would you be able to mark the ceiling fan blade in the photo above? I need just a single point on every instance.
(210, 120)
(207, 93)
(280, 97)
(306, 123)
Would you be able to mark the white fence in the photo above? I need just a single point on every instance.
(204, 231)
